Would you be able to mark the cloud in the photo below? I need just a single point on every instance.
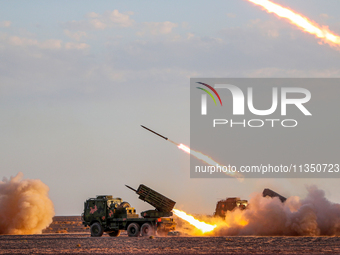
(92, 15)
(47, 44)
(5, 23)
(96, 21)
(77, 46)
(20, 41)
(120, 18)
(298, 73)
(156, 28)
(250, 50)
(97, 24)
(190, 35)
(76, 35)
(50, 44)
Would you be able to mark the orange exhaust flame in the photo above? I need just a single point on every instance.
(207, 159)
(201, 225)
(300, 21)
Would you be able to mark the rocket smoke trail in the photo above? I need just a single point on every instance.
(196, 154)
(300, 21)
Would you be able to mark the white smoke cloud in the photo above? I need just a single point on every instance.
(25, 207)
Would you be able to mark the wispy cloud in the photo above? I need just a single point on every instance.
(156, 28)
(76, 46)
(5, 23)
(47, 44)
(96, 21)
(120, 19)
(75, 35)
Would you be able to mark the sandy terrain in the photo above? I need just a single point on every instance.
(67, 236)
(83, 243)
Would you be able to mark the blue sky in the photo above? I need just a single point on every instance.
(77, 78)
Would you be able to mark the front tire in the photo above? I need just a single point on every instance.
(147, 230)
(133, 230)
(96, 230)
(114, 233)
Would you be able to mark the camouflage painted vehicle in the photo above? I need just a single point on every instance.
(229, 204)
(112, 215)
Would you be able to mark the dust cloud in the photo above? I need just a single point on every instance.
(25, 207)
(314, 215)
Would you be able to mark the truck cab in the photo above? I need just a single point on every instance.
(229, 204)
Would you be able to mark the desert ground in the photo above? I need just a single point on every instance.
(66, 235)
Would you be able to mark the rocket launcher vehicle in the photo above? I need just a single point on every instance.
(162, 204)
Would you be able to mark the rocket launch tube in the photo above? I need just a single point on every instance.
(131, 188)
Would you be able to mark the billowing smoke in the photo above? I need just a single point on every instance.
(25, 207)
(312, 216)
(266, 216)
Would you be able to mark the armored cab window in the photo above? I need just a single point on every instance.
(100, 205)
(90, 204)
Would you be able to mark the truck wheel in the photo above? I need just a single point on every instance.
(96, 229)
(133, 230)
(124, 205)
(147, 230)
(114, 233)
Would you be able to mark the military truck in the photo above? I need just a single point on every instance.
(229, 204)
(112, 215)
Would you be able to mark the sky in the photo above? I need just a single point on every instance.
(78, 78)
